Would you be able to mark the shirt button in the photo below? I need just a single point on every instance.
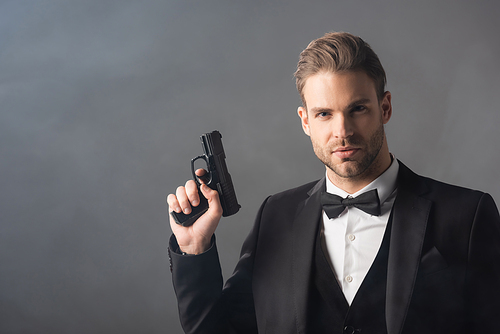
(348, 278)
(351, 237)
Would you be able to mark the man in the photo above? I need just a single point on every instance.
(369, 248)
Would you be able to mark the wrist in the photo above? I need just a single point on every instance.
(195, 248)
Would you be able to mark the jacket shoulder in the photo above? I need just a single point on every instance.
(409, 180)
(298, 193)
(437, 185)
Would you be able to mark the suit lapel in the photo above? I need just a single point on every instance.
(305, 228)
(410, 215)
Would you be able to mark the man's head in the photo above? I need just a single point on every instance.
(341, 82)
(339, 52)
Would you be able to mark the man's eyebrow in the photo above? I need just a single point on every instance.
(320, 110)
(358, 102)
(350, 106)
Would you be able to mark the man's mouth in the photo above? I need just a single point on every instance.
(345, 152)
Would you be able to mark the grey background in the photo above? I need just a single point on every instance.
(102, 103)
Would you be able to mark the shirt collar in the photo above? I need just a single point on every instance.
(385, 184)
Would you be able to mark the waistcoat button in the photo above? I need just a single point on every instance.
(349, 330)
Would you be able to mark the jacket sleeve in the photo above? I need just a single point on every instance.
(204, 305)
(197, 281)
(483, 269)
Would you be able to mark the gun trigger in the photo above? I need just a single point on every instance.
(205, 178)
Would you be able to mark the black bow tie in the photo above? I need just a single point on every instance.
(334, 205)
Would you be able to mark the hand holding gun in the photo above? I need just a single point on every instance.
(196, 208)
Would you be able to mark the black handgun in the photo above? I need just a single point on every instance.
(217, 178)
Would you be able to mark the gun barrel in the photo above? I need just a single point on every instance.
(221, 179)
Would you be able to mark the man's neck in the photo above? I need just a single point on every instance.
(352, 185)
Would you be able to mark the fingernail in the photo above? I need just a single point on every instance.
(186, 210)
(195, 202)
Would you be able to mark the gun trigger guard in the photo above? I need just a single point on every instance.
(196, 177)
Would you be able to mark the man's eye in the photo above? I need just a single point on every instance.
(322, 114)
(359, 108)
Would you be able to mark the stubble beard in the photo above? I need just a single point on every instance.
(355, 169)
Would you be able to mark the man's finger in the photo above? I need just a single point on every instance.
(192, 192)
(183, 200)
(173, 204)
(203, 175)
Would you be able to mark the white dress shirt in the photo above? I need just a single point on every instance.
(352, 240)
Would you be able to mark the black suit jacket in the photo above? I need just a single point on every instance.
(443, 271)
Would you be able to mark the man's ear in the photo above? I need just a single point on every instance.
(304, 119)
(386, 107)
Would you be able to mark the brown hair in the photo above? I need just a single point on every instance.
(339, 52)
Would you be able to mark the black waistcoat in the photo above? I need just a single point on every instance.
(330, 312)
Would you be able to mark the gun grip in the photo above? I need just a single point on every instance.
(196, 212)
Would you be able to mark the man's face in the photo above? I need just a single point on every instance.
(345, 119)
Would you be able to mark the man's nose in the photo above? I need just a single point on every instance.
(342, 127)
